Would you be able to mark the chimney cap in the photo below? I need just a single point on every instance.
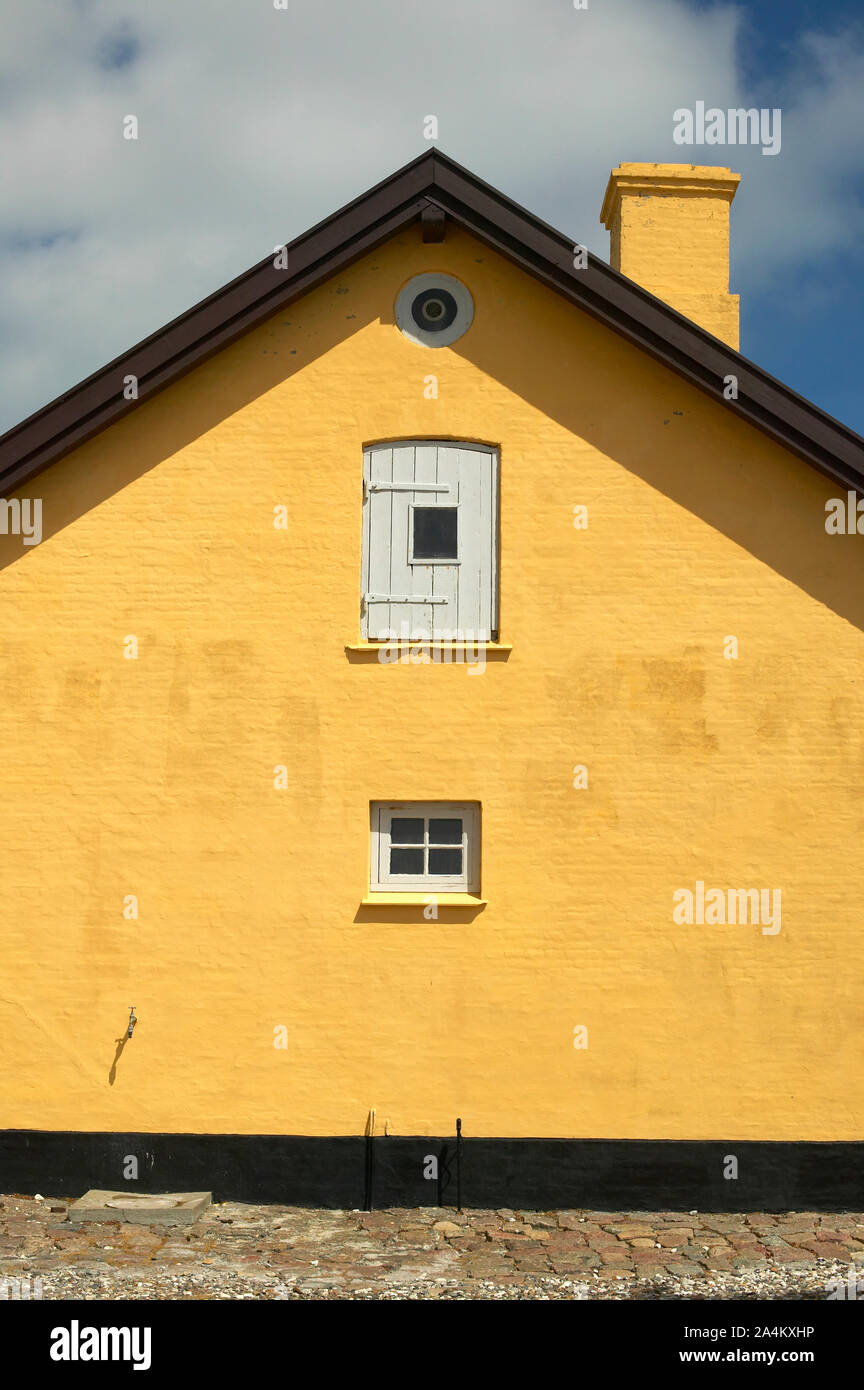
(681, 180)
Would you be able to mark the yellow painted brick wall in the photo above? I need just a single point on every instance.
(155, 777)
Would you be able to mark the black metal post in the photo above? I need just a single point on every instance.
(370, 1162)
(458, 1165)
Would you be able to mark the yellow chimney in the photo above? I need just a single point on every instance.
(669, 226)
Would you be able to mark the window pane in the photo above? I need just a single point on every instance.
(445, 861)
(406, 830)
(406, 861)
(435, 533)
(445, 832)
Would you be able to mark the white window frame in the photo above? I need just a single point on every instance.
(426, 603)
(382, 815)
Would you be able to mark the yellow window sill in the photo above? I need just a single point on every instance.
(423, 900)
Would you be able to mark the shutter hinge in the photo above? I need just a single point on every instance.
(404, 598)
(405, 487)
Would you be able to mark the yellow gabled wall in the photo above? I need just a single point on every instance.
(154, 777)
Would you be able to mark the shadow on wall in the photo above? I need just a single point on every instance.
(121, 1043)
(156, 430)
(405, 916)
(653, 423)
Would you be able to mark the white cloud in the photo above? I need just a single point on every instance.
(256, 122)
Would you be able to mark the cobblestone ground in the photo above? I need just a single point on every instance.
(250, 1252)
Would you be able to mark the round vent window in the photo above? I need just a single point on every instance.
(434, 310)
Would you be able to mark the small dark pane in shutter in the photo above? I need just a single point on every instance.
(435, 533)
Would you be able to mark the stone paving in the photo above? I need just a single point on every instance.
(272, 1252)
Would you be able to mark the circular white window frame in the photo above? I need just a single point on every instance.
(433, 280)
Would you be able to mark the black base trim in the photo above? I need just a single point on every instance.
(300, 1170)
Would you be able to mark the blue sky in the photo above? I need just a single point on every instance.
(807, 332)
(256, 123)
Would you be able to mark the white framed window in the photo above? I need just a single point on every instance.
(428, 845)
(430, 541)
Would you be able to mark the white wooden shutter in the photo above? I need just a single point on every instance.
(430, 593)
